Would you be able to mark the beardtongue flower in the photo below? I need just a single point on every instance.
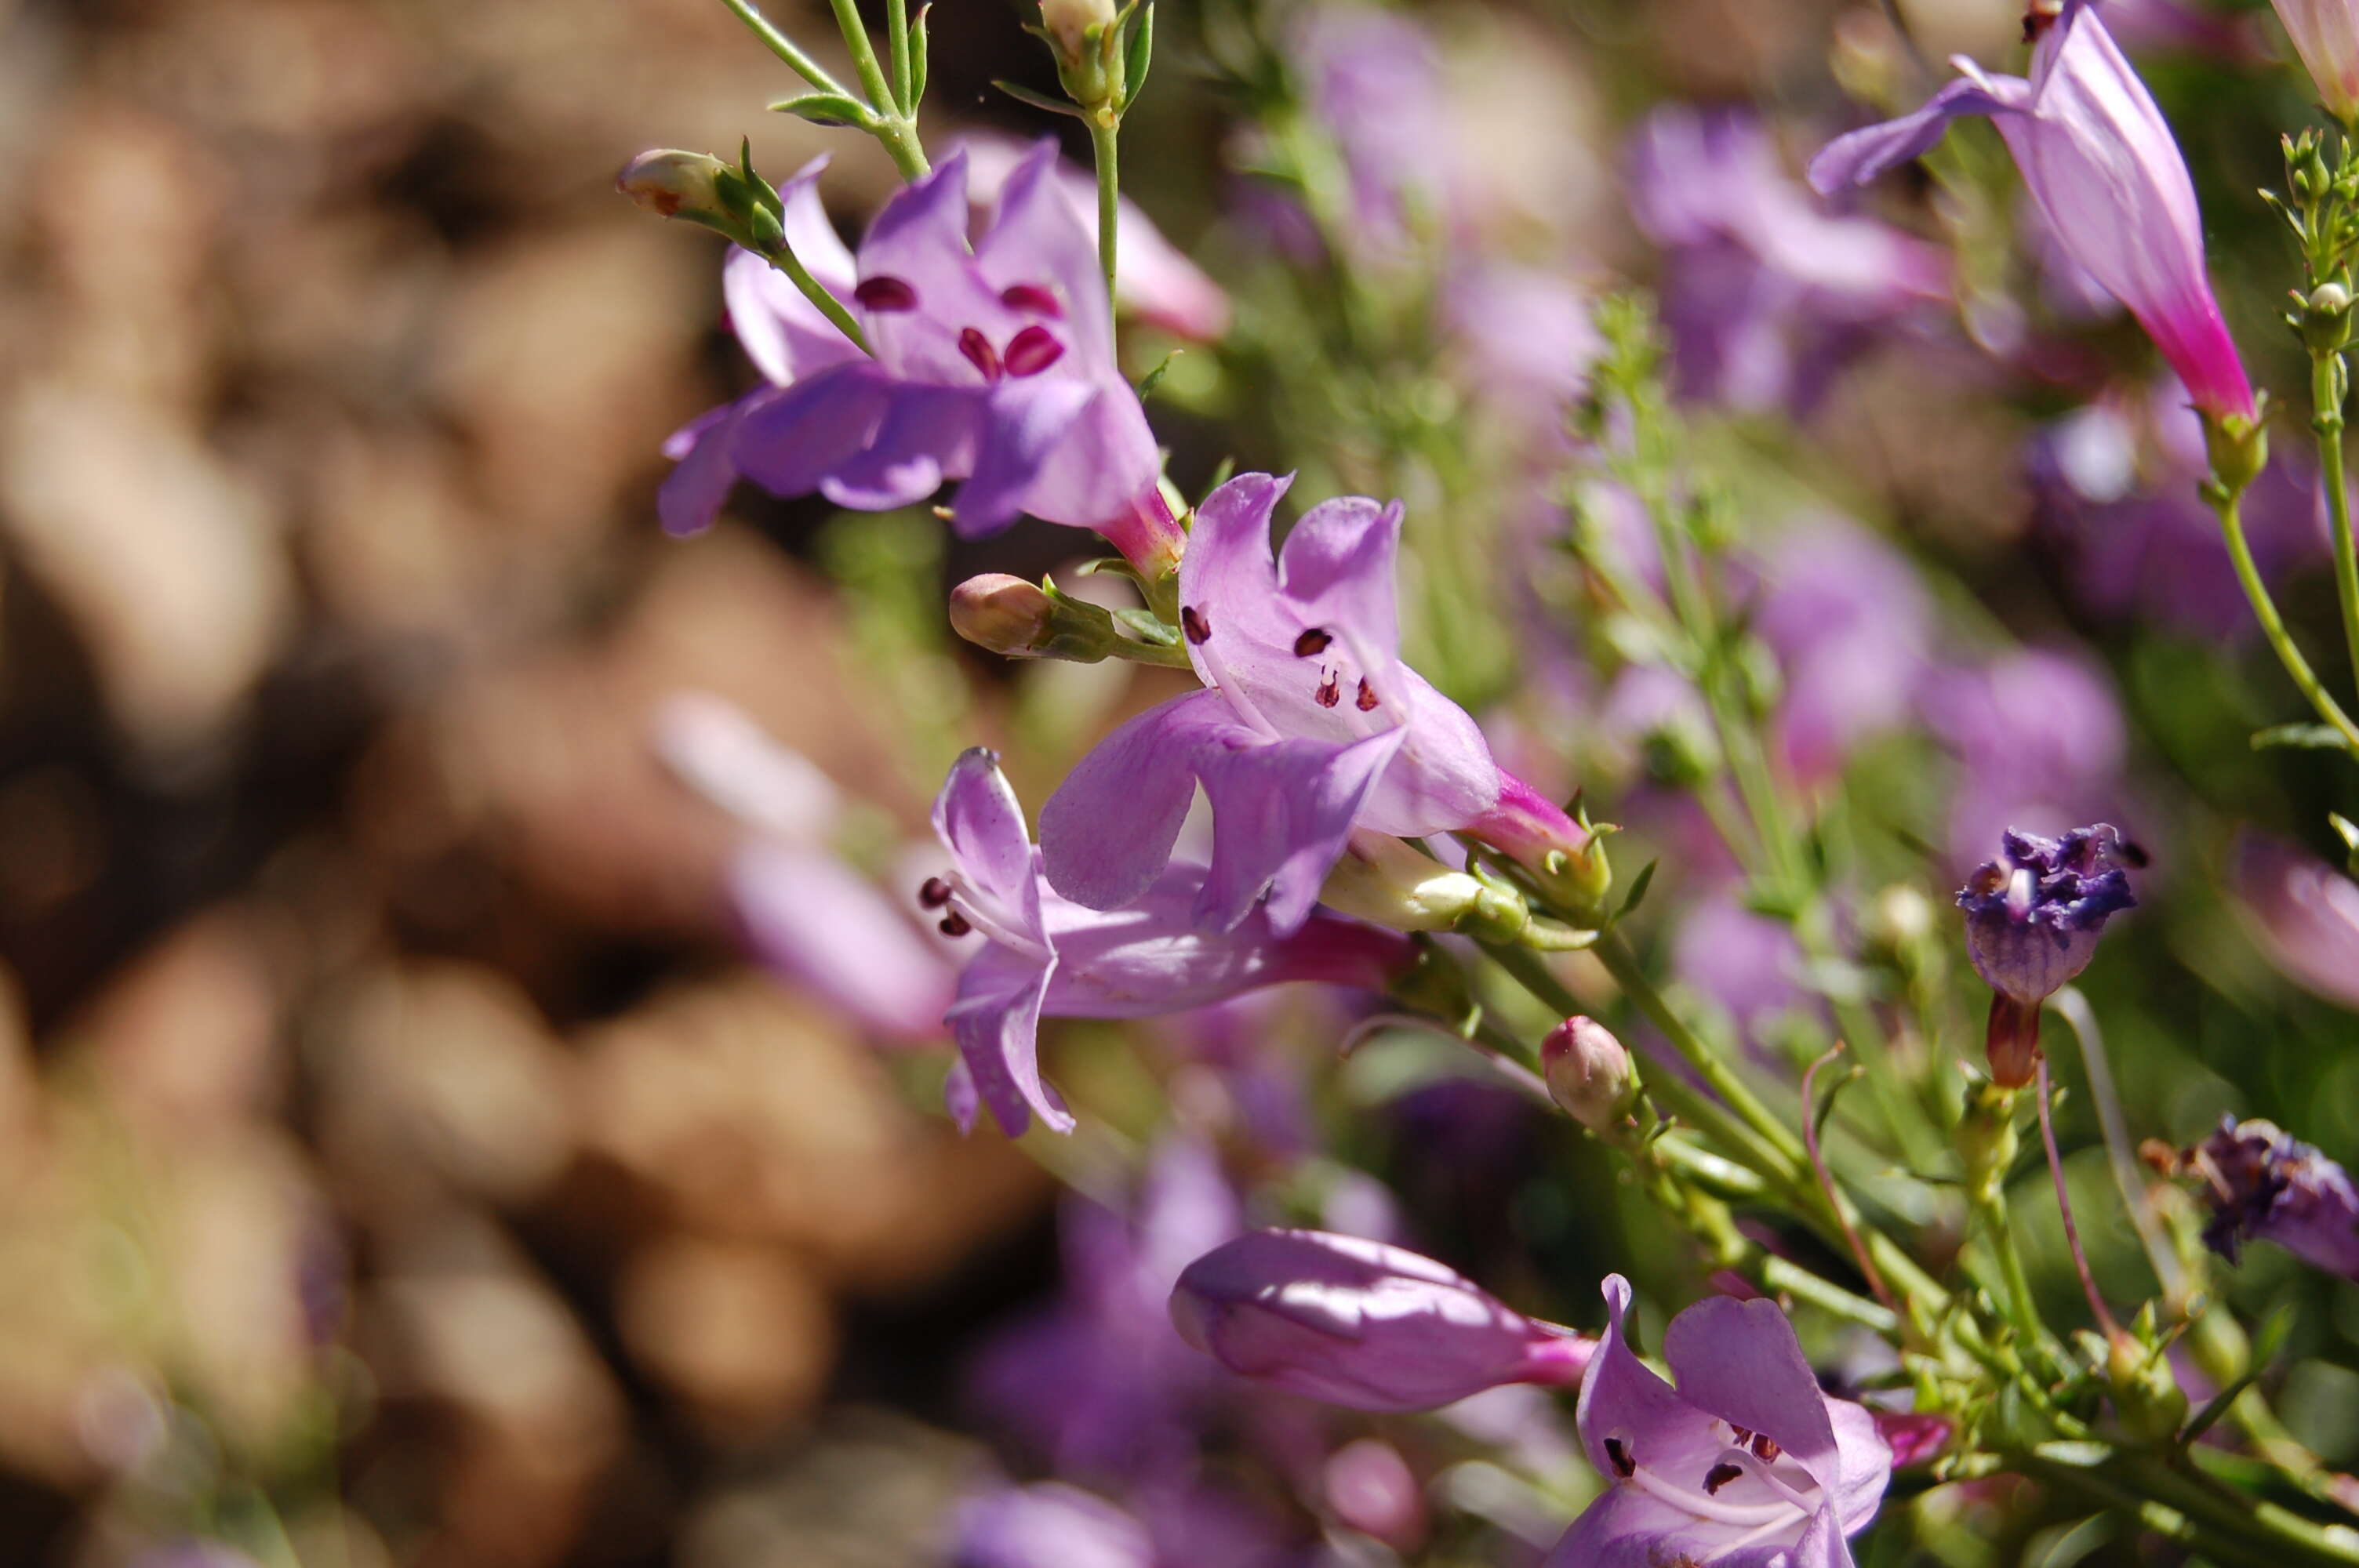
(993, 364)
(2325, 33)
(1745, 1463)
(2100, 161)
(1043, 954)
(1312, 725)
(1362, 1325)
(2033, 918)
(2306, 914)
(2266, 1185)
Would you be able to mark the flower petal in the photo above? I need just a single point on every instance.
(919, 239)
(1740, 1361)
(1107, 832)
(927, 434)
(1036, 238)
(996, 1022)
(1863, 154)
(979, 821)
(1027, 424)
(1281, 812)
(1228, 564)
(811, 918)
(1338, 567)
(693, 493)
(1623, 1400)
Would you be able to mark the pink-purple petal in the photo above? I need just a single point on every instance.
(1740, 1360)
(996, 1022)
(1281, 812)
(1108, 830)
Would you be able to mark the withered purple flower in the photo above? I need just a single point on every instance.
(2267, 1186)
(2033, 918)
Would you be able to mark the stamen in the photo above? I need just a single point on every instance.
(1192, 621)
(1033, 299)
(979, 352)
(935, 893)
(1765, 1447)
(955, 924)
(1366, 701)
(1032, 350)
(1329, 692)
(1313, 642)
(884, 293)
(1720, 1475)
(1618, 1452)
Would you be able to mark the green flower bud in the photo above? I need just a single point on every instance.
(2146, 1395)
(2326, 316)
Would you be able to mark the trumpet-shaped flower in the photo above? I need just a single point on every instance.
(993, 364)
(1312, 725)
(2100, 161)
(1360, 1323)
(2267, 1186)
(1043, 954)
(2033, 918)
(2325, 33)
(1744, 1465)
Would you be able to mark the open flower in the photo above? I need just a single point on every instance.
(2033, 918)
(2100, 161)
(1045, 954)
(993, 364)
(1744, 1465)
(1359, 1324)
(1312, 725)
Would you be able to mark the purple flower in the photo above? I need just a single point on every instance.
(2325, 33)
(1527, 336)
(1046, 1526)
(1359, 1324)
(994, 364)
(2307, 917)
(809, 915)
(1849, 620)
(2266, 1186)
(1373, 79)
(1763, 294)
(2038, 737)
(1043, 954)
(2100, 161)
(2033, 918)
(1152, 277)
(1312, 725)
(1744, 1465)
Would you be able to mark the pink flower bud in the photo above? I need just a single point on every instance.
(2326, 35)
(669, 182)
(1359, 1324)
(1588, 1072)
(1005, 614)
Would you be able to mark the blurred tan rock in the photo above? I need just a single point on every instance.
(747, 1112)
(737, 1332)
(534, 1416)
(167, 561)
(870, 1489)
(565, 356)
(439, 1078)
(186, 1039)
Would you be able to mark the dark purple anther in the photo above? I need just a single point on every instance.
(1312, 643)
(955, 924)
(1192, 621)
(2033, 918)
(1367, 700)
(1329, 692)
(1033, 301)
(1032, 350)
(979, 352)
(884, 293)
(934, 894)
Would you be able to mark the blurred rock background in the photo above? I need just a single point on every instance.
(400, 1164)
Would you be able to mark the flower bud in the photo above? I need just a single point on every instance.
(1005, 614)
(1380, 879)
(674, 184)
(1588, 1073)
(1362, 1325)
(1069, 23)
(2146, 1395)
(2326, 316)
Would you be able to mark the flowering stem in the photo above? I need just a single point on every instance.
(778, 44)
(1105, 131)
(1827, 1180)
(2064, 1205)
(2022, 1312)
(904, 84)
(2074, 1009)
(2228, 505)
(2330, 384)
(783, 257)
(894, 128)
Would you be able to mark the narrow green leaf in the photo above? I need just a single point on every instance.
(1023, 94)
(1638, 892)
(2305, 737)
(1139, 53)
(825, 109)
(918, 58)
(1154, 378)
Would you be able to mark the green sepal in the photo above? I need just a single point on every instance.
(1138, 53)
(826, 109)
(1041, 101)
(1154, 378)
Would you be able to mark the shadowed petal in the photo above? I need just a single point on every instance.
(996, 1022)
(1228, 563)
(1036, 239)
(1108, 830)
(1030, 422)
(695, 490)
(1863, 154)
(1281, 812)
(799, 436)
(1740, 1361)
(927, 435)
(1338, 565)
(979, 821)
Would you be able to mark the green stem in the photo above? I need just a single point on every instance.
(1105, 131)
(2305, 680)
(2022, 1311)
(896, 24)
(2159, 1518)
(898, 136)
(785, 261)
(2329, 386)
(778, 44)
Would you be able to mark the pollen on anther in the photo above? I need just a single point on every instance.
(979, 352)
(884, 293)
(1367, 700)
(1617, 1452)
(1312, 643)
(1329, 693)
(1720, 1475)
(934, 894)
(1192, 621)
(955, 924)
(1765, 1448)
